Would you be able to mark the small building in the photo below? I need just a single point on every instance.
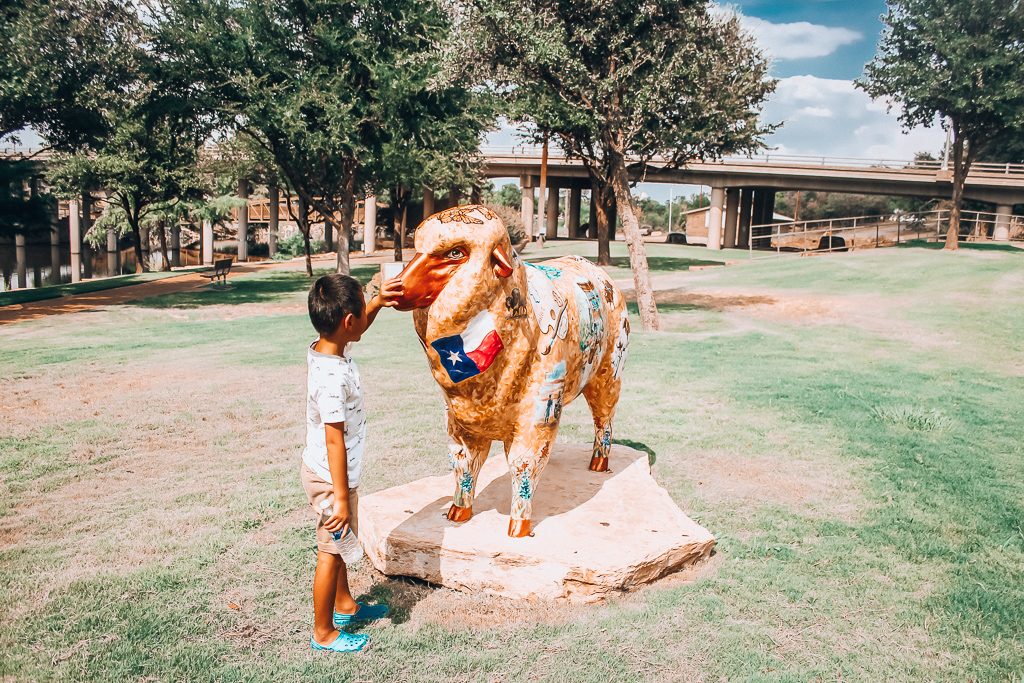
(697, 224)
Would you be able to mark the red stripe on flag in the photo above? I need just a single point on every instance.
(486, 352)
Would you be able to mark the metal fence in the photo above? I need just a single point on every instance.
(871, 232)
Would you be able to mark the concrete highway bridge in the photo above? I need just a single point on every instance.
(741, 211)
(743, 188)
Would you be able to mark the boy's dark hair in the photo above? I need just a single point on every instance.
(331, 298)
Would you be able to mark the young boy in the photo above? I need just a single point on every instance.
(333, 457)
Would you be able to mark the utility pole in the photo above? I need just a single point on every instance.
(670, 188)
(543, 208)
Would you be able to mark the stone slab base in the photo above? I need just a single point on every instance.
(595, 534)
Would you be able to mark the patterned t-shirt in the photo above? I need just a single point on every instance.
(333, 394)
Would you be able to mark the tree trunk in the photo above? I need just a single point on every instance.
(603, 249)
(133, 223)
(166, 265)
(303, 220)
(399, 214)
(646, 305)
(348, 210)
(961, 165)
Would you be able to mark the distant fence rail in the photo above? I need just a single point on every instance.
(870, 232)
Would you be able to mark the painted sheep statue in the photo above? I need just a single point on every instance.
(511, 343)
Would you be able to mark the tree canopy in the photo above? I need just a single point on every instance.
(623, 84)
(962, 60)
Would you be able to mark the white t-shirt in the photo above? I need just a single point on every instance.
(333, 394)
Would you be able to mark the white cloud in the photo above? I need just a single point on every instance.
(798, 40)
(856, 126)
(819, 112)
(795, 40)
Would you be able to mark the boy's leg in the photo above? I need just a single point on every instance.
(325, 585)
(344, 603)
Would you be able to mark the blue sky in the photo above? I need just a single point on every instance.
(817, 48)
(857, 26)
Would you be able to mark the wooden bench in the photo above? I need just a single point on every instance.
(221, 268)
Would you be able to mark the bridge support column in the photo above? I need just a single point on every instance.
(75, 239)
(732, 206)
(87, 250)
(428, 202)
(715, 218)
(370, 220)
(242, 221)
(55, 243)
(19, 260)
(112, 255)
(551, 225)
(572, 219)
(1001, 233)
(526, 205)
(175, 245)
(207, 242)
(273, 218)
(746, 206)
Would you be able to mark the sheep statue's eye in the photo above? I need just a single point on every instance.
(456, 254)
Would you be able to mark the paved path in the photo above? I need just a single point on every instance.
(90, 301)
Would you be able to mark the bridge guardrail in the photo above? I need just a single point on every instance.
(767, 159)
(860, 232)
(795, 160)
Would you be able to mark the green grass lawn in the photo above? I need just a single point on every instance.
(863, 471)
(23, 296)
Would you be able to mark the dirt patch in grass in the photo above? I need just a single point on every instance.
(736, 479)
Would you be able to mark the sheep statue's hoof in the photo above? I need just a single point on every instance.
(459, 514)
(518, 528)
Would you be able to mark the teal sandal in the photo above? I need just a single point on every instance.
(364, 614)
(345, 642)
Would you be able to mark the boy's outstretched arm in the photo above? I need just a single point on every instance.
(337, 463)
(387, 297)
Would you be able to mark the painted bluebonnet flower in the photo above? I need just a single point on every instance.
(525, 491)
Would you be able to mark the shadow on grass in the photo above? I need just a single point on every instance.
(24, 296)
(977, 246)
(665, 263)
(669, 308)
(400, 594)
(247, 289)
(642, 447)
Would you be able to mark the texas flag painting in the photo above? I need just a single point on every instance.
(470, 353)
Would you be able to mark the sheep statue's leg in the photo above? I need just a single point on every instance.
(527, 457)
(467, 458)
(602, 395)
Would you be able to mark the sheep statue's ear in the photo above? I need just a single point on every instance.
(502, 263)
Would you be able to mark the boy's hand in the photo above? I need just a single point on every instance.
(390, 292)
(339, 521)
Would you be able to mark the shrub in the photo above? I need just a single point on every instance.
(293, 246)
(513, 223)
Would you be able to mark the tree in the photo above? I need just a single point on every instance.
(623, 83)
(337, 95)
(55, 57)
(141, 147)
(958, 59)
(430, 127)
(508, 195)
(21, 212)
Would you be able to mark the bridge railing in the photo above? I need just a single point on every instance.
(861, 232)
(930, 166)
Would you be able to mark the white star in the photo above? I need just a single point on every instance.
(454, 357)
